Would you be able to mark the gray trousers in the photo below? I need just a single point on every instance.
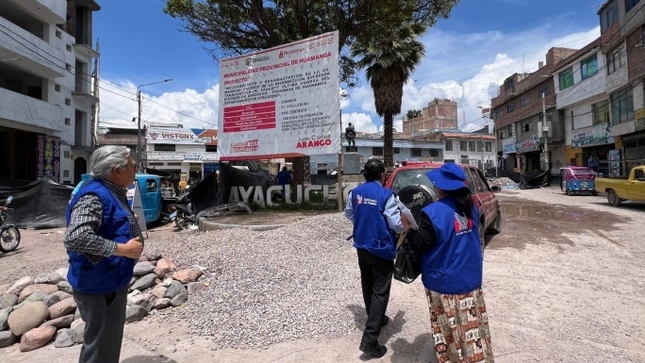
(104, 317)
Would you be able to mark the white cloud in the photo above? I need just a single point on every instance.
(362, 122)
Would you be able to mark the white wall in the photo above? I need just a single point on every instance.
(582, 89)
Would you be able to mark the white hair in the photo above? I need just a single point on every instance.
(106, 158)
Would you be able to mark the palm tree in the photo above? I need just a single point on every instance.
(389, 60)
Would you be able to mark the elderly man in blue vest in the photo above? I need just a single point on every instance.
(373, 210)
(103, 241)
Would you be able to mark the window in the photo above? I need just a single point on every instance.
(608, 16)
(448, 145)
(463, 145)
(622, 106)
(527, 127)
(629, 5)
(499, 114)
(600, 112)
(68, 102)
(57, 87)
(211, 148)
(165, 147)
(477, 183)
(449, 161)
(510, 107)
(151, 185)
(501, 135)
(434, 152)
(589, 67)
(643, 35)
(68, 121)
(489, 146)
(415, 152)
(543, 91)
(396, 150)
(566, 79)
(377, 151)
(470, 181)
(614, 60)
(471, 146)
(66, 155)
(525, 101)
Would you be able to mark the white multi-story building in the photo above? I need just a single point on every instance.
(46, 95)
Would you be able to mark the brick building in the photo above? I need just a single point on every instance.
(438, 115)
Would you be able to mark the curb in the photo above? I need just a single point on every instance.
(206, 225)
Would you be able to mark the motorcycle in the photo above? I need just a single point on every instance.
(185, 217)
(9, 234)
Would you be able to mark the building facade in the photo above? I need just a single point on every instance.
(439, 114)
(47, 100)
(476, 149)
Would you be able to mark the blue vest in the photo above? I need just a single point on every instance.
(371, 231)
(454, 264)
(114, 272)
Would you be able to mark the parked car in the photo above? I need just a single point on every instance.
(621, 189)
(490, 216)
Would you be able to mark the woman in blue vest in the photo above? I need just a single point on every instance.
(103, 241)
(452, 266)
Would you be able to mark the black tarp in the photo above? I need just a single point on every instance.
(230, 176)
(39, 204)
(204, 194)
(502, 173)
(535, 179)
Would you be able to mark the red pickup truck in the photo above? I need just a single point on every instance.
(490, 216)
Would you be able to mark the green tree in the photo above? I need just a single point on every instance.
(413, 114)
(389, 62)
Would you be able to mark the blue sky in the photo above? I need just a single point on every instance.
(467, 57)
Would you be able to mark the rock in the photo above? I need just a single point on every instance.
(187, 275)
(4, 288)
(7, 300)
(51, 300)
(43, 278)
(64, 338)
(7, 338)
(166, 264)
(47, 289)
(62, 272)
(77, 314)
(36, 296)
(62, 308)
(181, 298)
(62, 322)
(4, 316)
(174, 289)
(143, 268)
(132, 281)
(195, 287)
(161, 303)
(159, 272)
(27, 317)
(144, 300)
(65, 286)
(144, 282)
(142, 258)
(153, 255)
(159, 291)
(55, 278)
(36, 338)
(19, 285)
(78, 331)
(62, 295)
(135, 313)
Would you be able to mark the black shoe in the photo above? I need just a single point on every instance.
(375, 350)
(386, 320)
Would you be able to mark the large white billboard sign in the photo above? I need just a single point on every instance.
(281, 102)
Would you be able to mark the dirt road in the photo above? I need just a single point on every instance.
(564, 282)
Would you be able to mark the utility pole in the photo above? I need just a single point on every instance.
(139, 151)
(482, 146)
(546, 137)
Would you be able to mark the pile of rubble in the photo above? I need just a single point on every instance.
(504, 183)
(38, 310)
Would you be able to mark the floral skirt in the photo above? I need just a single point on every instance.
(460, 327)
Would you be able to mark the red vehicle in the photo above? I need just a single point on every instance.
(414, 173)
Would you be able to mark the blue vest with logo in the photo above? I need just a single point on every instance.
(113, 272)
(454, 264)
(371, 231)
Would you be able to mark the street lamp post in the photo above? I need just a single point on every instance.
(139, 151)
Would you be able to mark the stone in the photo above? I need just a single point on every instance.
(142, 258)
(65, 286)
(144, 282)
(7, 338)
(7, 300)
(43, 278)
(36, 296)
(153, 255)
(144, 300)
(166, 264)
(55, 278)
(77, 314)
(64, 338)
(181, 298)
(62, 272)
(195, 287)
(4, 288)
(187, 275)
(161, 303)
(62, 308)
(4, 317)
(159, 272)
(27, 317)
(19, 285)
(36, 338)
(51, 300)
(47, 289)
(135, 313)
(159, 291)
(78, 331)
(143, 268)
(62, 322)
(62, 295)
(174, 289)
